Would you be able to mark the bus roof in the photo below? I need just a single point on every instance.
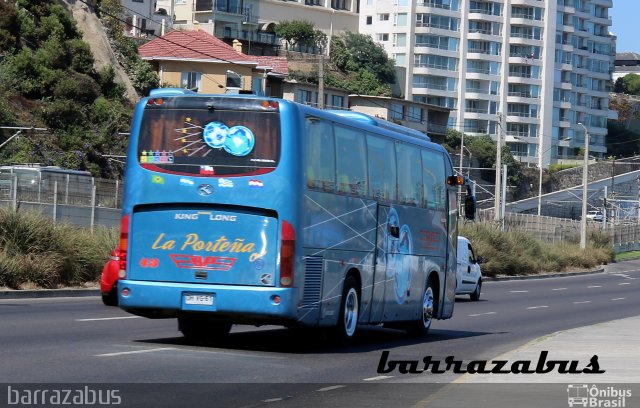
(373, 121)
(345, 114)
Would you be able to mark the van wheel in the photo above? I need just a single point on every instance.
(420, 328)
(475, 296)
(203, 329)
(345, 330)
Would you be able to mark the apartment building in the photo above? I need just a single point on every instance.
(253, 21)
(532, 71)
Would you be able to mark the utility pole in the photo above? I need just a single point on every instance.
(496, 211)
(321, 83)
(585, 180)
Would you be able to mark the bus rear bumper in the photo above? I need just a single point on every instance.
(166, 299)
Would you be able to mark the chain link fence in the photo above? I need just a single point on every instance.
(65, 197)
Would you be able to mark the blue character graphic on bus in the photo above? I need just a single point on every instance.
(237, 140)
(398, 268)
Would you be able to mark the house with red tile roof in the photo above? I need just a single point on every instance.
(199, 61)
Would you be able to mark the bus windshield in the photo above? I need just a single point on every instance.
(209, 142)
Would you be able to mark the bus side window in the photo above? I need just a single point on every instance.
(351, 164)
(382, 169)
(433, 180)
(320, 155)
(409, 175)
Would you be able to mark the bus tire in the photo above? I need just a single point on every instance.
(203, 329)
(420, 328)
(345, 330)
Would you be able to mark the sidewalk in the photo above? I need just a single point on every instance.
(616, 343)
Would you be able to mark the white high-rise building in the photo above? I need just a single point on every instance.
(544, 67)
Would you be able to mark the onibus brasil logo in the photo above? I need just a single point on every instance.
(583, 395)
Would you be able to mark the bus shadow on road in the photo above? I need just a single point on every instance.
(310, 341)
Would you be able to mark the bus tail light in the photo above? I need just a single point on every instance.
(122, 246)
(287, 255)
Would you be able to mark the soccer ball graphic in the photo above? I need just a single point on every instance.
(240, 141)
(215, 134)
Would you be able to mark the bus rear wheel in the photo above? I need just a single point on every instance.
(203, 329)
(420, 328)
(345, 330)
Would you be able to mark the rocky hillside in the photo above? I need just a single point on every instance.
(94, 34)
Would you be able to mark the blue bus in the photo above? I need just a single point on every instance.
(240, 209)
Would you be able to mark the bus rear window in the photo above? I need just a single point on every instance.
(209, 142)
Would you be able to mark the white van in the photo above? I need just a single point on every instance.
(468, 274)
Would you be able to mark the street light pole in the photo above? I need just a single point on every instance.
(540, 154)
(496, 212)
(585, 167)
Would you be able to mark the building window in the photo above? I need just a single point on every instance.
(305, 96)
(383, 17)
(396, 111)
(234, 80)
(383, 37)
(190, 80)
(369, 20)
(337, 101)
(415, 114)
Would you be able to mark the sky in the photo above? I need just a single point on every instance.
(626, 25)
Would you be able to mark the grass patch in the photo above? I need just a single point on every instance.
(518, 253)
(36, 252)
(626, 256)
(560, 166)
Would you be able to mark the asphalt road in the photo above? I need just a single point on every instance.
(78, 340)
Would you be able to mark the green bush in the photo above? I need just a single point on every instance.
(34, 250)
(520, 253)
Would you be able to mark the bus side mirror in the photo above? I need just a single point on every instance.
(470, 207)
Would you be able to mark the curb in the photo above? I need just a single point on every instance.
(545, 276)
(48, 293)
(56, 293)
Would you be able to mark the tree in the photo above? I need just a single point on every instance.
(301, 32)
(355, 52)
(628, 84)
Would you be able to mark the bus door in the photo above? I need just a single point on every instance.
(393, 265)
(380, 266)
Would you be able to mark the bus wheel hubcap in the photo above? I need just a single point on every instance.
(351, 312)
(427, 307)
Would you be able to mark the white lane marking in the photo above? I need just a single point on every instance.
(518, 291)
(618, 299)
(559, 289)
(380, 377)
(536, 307)
(594, 286)
(331, 388)
(273, 400)
(580, 303)
(623, 275)
(122, 353)
(108, 318)
(624, 283)
(482, 314)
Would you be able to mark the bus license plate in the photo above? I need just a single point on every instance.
(198, 299)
